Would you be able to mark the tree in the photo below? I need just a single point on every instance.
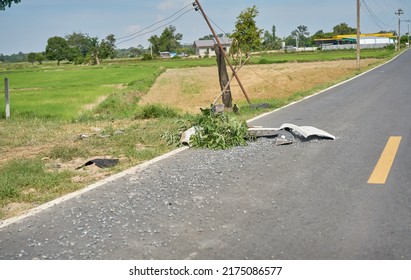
(94, 50)
(270, 41)
(108, 47)
(343, 28)
(211, 36)
(187, 49)
(7, 3)
(247, 35)
(83, 48)
(101, 50)
(168, 40)
(134, 52)
(20, 57)
(57, 49)
(31, 57)
(155, 44)
(207, 37)
(40, 58)
(80, 45)
(301, 34)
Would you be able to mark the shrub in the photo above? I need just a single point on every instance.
(147, 57)
(155, 111)
(218, 131)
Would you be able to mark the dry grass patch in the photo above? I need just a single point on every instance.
(194, 88)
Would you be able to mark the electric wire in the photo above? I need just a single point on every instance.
(269, 82)
(142, 33)
(388, 3)
(217, 25)
(154, 23)
(374, 18)
(261, 76)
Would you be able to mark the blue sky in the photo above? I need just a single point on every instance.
(27, 26)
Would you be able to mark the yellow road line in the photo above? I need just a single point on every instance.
(383, 167)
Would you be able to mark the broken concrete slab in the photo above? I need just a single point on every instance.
(186, 135)
(284, 138)
(303, 131)
(259, 131)
(307, 131)
(284, 135)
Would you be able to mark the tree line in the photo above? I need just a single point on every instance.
(80, 48)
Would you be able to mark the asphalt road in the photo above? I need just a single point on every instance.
(308, 200)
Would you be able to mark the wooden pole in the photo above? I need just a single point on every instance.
(6, 91)
(222, 50)
(229, 82)
(224, 79)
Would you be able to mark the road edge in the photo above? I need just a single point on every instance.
(84, 190)
(324, 90)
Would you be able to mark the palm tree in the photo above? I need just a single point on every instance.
(301, 34)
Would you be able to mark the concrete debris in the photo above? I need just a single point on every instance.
(285, 133)
(284, 138)
(259, 131)
(307, 131)
(185, 137)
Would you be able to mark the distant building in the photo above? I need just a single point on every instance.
(167, 54)
(206, 47)
(349, 41)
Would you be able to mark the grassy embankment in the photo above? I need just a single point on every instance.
(51, 106)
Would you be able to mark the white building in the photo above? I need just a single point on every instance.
(206, 47)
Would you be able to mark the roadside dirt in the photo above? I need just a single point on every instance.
(194, 88)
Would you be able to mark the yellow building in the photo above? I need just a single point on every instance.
(349, 41)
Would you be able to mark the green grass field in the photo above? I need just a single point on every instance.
(62, 92)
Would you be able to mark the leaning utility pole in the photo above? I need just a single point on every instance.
(358, 34)
(222, 50)
(399, 13)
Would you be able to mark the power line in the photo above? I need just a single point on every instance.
(142, 33)
(374, 17)
(217, 25)
(154, 23)
(388, 3)
(379, 4)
